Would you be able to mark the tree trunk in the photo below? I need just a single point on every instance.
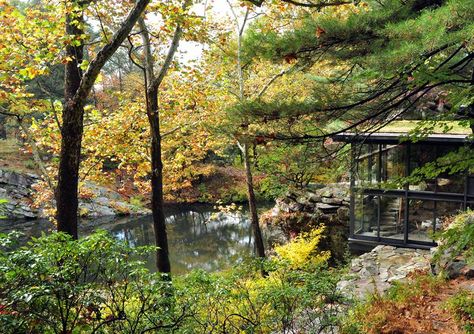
(159, 223)
(152, 85)
(71, 134)
(253, 204)
(3, 131)
(77, 87)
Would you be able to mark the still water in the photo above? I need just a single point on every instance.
(197, 238)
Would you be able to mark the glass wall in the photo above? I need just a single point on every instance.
(365, 214)
(378, 164)
(392, 215)
(422, 220)
(411, 213)
(394, 159)
(367, 165)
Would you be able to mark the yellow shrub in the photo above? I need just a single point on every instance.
(303, 250)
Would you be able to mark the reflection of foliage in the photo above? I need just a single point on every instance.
(454, 162)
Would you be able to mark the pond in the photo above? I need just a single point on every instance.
(199, 236)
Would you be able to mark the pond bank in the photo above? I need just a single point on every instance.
(198, 236)
(18, 190)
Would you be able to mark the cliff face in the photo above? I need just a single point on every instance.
(17, 189)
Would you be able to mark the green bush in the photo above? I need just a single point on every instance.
(96, 285)
(241, 301)
(462, 306)
(458, 238)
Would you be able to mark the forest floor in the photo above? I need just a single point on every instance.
(422, 309)
(13, 157)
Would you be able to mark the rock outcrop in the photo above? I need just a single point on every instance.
(300, 210)
(376, 270)
(16, 189)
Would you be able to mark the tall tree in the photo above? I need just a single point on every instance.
(78, 85)
(152, 84)
(390, 58)
(244, 142)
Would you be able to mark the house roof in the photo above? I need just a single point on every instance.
(454, 133)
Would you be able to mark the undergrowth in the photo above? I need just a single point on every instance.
(462, 306)
(378, 312)
(95, 285)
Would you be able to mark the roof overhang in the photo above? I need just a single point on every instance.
(396, 138)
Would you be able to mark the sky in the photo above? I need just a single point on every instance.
(189, 51)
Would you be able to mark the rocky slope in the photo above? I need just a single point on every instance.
(302, 210)
(16, 189)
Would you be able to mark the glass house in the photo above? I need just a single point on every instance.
(383, 212)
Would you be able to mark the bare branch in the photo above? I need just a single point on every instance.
(271, 81)
(107, 51)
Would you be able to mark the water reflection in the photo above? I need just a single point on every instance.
(195, 240)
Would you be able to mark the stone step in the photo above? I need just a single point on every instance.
(388, 228)
(384, 216)
(388, 221)
(387, 233)
(385, 229)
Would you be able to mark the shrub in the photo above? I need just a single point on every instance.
(94, 285)
(379, 312)
(241, 301)
(462, 306)
(458, 238)
(303, 250)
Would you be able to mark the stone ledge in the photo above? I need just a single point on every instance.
(376, 270)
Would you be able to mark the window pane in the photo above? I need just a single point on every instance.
(391, 217)
(450, 183)
(393, 163)
(445, 209)
(421, 218)
(367, 165)
(365, 215)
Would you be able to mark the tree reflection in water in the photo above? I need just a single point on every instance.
(195, 240)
